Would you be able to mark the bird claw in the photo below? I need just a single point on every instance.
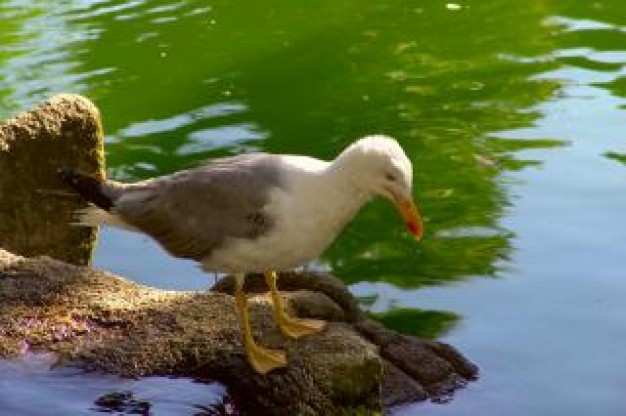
(264, 360)
(299, 327)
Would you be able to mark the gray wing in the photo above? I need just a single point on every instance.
(192, 212)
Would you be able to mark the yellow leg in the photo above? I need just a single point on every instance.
(263, 360)
(289, 325)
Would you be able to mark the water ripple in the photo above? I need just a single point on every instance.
(178, 121)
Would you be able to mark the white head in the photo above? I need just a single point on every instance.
(378, 166)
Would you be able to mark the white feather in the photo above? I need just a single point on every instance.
(93, 216)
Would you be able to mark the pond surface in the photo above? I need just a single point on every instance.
(513, 113)
(29, 388)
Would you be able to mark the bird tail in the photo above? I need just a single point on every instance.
(88, 187)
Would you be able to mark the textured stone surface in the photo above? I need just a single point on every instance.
(35, 206)
(414, 369)
(103, 322)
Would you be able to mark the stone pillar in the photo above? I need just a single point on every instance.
(36, 208)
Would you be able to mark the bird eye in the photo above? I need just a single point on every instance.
(390, 177)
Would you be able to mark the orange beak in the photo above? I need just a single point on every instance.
(411, 215)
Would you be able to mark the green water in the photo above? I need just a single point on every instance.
(512, 113)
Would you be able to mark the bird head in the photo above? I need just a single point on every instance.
(382, 168)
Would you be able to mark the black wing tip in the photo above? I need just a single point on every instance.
(88, 187)
(67, 174)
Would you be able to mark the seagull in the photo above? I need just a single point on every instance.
(256, 213)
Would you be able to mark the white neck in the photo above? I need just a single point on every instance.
(338, 183)
(329, 190)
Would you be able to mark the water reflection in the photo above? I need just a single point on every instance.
(35, 390)
(425, 324)
(590, 44)
(617, 156)
(452, 114)
(41, 54)
(197, 134)
(178, 82)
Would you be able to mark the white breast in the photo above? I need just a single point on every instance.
(309, 213)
